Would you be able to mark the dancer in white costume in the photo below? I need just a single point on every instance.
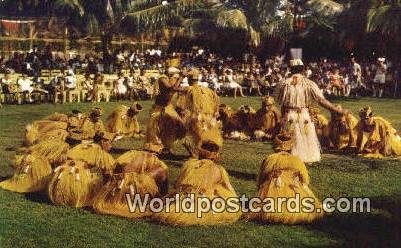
(296, 94)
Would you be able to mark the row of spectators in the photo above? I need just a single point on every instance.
(227, 76)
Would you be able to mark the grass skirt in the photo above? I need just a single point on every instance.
(45, 130)
(382, 141)
(74, 184)
(306, 146)
(284, 175)
(53, 150)
(205, 137)
(32, 174)
(94, 155)
(57, 117)
(112, 198)
(198, 177)
(163, 129)
(120, 122)
(133, 177)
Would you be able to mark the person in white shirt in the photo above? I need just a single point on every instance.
(356, 76)
(25, 84)
(70, 80)
(120, 90)
(230, 83)
(213, 80)
(379, 80)
(356, 72)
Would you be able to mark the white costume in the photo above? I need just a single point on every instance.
(380, 76)
(295, 94)
(357, 73)
(214, 81)
(70, 80)
(231, 82)
(25, 85)
(120, 87)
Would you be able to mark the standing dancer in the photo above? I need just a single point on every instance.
(295, 95)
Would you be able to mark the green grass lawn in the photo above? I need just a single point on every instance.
(31, 221)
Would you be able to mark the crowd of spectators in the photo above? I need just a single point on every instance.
(133, 74)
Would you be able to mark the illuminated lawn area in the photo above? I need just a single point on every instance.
(31, 221)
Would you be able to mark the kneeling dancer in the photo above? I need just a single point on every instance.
(204, 180)
(283, 175)
(376, 136)
(76, 181)
(137, 174)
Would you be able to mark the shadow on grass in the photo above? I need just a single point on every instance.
(174, 157)
(242, 175)
(40, 197)
(11, 148)
(119, 151)
(379, 229)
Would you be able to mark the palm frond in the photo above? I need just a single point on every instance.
(326, 7)
(70, 6)
(279, 27)
(158, 15)
(233, 19)
(254, 37)
(385, 19)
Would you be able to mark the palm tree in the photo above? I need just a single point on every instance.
(371, 26)
(152, 15)
(277, 18)
(385, 18)
(384, 22)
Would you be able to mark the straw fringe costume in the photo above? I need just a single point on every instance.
(230, 120)
(266, 121)
(49, 127)
(284, 175)
(343, 131)
(75, 122)
(57, 117)
(94, 155)
(53, 150)
(33, 167)
(88, 130)
(45, 130)
(321, 124)
(75, 184)
(203, 178)
(164, 128)
(85, 127)
(295, 94)
(201, 107)
(134, 177)
(32, 174)
(123, 120)
(164, 124)
(378, 139)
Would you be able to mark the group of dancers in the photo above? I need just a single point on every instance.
(67, 156)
